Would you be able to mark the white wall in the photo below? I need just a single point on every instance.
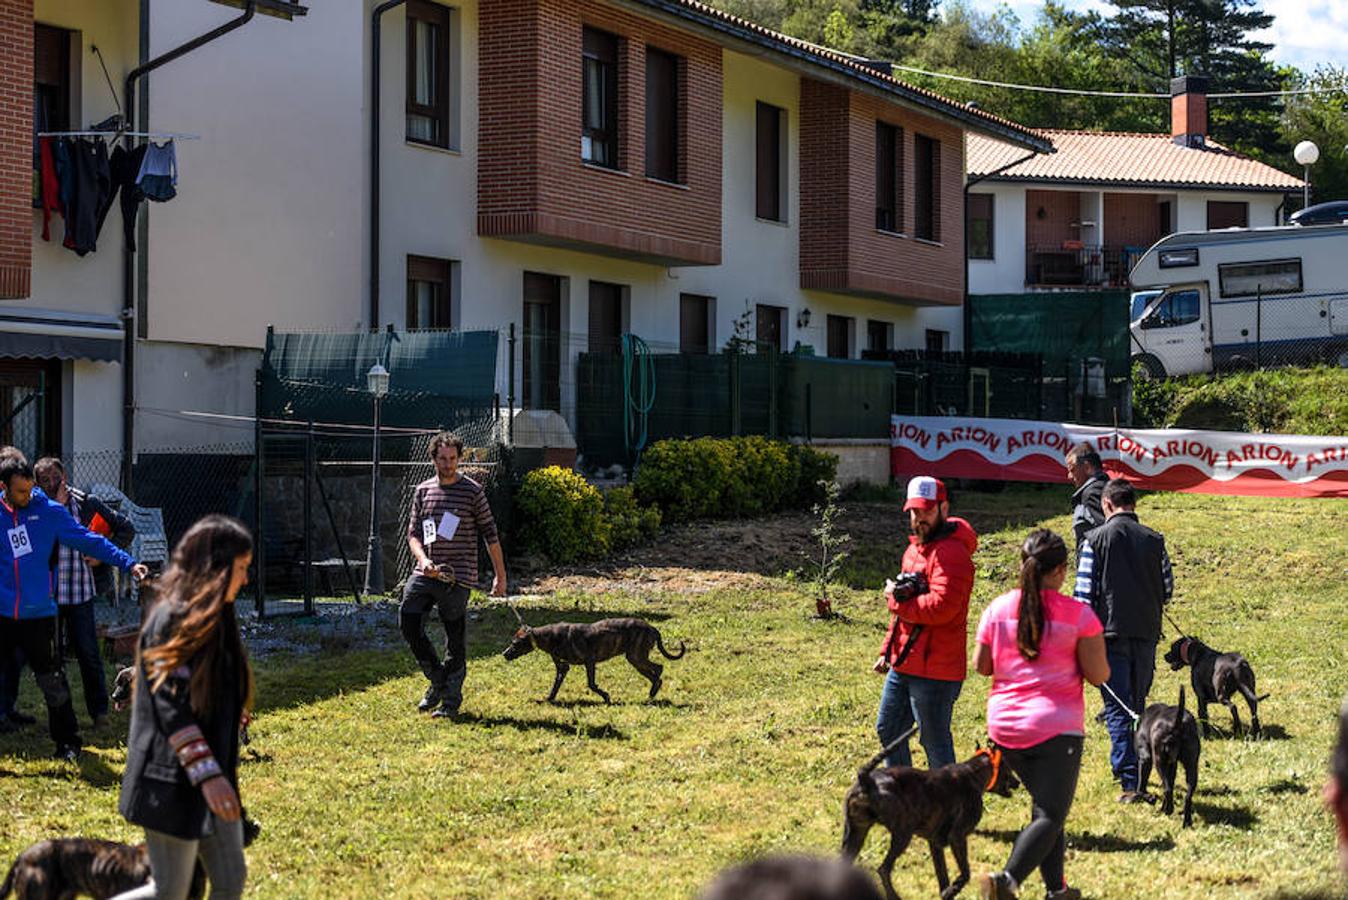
(178, 379)
(267, 224)
(1005, 272)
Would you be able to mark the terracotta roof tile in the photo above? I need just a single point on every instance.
(1122, 158)
(857, 68)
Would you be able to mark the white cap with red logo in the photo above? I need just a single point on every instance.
(924, 492)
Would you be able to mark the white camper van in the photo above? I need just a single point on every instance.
(1242, 297)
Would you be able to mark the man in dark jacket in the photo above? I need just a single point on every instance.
(925, 654)
(1086, 472)
(1123, 572)
(80, 579)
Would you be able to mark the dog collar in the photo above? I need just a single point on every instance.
(995, 758)
(1184, 650)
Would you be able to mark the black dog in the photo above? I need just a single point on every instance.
(1168, 736)
(586, 645)
(943, 806)
(124, 685)
(1216, 677)
(65, 868)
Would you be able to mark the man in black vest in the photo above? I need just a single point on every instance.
(1124, 573)
(1086, 472)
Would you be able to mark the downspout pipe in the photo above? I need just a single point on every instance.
(129, 329)
(968, 311)
(375, 110)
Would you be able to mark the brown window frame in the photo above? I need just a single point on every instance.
(435, 271)
(695, 308)
(664, 113)
(885, 328)
(442, 18)
(769, 167)
(937, 340)
(1223, 208)
(838, 328)
(778, 314)
(600, 49)
(51, 57)
(888, 177)
(926, 188)
(976, 252)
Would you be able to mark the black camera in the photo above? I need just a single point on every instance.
(908, 585)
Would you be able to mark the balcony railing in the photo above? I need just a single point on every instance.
(1087, 265)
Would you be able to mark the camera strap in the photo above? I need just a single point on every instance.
(907, 647)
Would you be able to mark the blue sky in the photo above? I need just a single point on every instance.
(1304, 32)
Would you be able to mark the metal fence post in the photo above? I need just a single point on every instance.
(510, 388)
(1259, 327)
(308, 520)
(259, 536)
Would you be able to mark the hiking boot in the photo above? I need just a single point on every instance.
(1136, 797)
(430, 699)
(67, 753)
(996, 886)
(446, 711)
(1067, 893)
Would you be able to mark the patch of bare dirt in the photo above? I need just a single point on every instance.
(708, 556)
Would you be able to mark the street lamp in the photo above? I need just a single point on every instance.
(1308, 155)
(376, 382)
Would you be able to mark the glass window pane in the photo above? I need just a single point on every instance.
(427, 52)
(1250, 279)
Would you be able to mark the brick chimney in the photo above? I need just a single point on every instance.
(1189, 110)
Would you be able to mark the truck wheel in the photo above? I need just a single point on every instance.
(1150, 367)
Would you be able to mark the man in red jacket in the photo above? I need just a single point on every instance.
(926, 646)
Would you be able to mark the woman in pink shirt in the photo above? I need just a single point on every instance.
(1037, 645)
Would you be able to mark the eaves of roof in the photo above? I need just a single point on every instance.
(846, 67)
(1124, 183)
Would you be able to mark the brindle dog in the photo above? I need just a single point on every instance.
(943, 805)
(66, 868)
(1217, 677)
(586, 645)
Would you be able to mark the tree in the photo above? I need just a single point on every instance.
(832, 543)
(1322, 118)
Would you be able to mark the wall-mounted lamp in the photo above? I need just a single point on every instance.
(803, 318)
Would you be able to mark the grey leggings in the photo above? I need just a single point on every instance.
(1049, 772)
(172, 861)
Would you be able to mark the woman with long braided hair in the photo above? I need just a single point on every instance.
(193, 689)
(1038, 645)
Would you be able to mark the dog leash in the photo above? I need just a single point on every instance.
(1136, 717)
(1172, 623)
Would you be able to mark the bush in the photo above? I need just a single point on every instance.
(631, 523)
(730, 477)
(562, 515)
(1293, 401)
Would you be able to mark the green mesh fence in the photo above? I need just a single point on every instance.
(1063, 327)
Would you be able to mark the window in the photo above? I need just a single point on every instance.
(926, 188)
(1179, 308)
(51, 78)
(937, 341)
(839, 337)
(606, 317)
(599, 106)
(428, 73)
(879, 335)
(1282, 276)
(1228, 214)
(769, 168)
(542, 341)
(662, 115)
(429, 292)
(769, 325)
(979, 211)
(695, 324)
(887, 180)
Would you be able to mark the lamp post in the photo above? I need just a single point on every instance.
(376, 381)
(1308, 155)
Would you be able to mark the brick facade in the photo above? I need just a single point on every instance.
(532, 183)
(841, 250)
(16, 162)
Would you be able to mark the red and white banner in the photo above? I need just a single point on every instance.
(1169, 459)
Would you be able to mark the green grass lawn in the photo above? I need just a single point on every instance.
(754, 740)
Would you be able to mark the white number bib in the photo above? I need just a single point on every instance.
(427, 531)
(19, 544)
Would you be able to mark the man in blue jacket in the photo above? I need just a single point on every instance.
(32, 525)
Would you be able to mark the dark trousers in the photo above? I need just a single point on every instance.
(1049, 772)
(36, 638)
(1132, 665)
(78, 633)
(451, 604)
(11, 666)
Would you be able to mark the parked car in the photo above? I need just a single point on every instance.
(1242, 297)
(1335, 212)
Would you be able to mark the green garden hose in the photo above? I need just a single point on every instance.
(638, 401)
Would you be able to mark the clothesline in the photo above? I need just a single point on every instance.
(153, 135)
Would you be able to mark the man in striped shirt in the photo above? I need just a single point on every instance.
(449, 513)
(1123, 572)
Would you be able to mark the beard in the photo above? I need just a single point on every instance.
(924, 531)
